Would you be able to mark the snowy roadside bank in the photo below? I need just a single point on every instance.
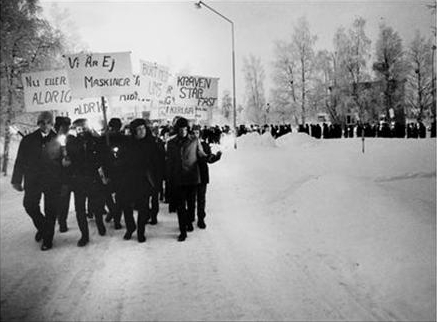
(299, 230)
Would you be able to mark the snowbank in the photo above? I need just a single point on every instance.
(307, 231)
(295, 140)
(254, 139)
(360, 223)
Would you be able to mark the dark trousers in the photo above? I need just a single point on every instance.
(144, 213)
(201, 200)
(121, 199)
(161, 191)
(109, 201)
(64, 205)
(154, 205)
(87, 187)
(185, 200)
(119, 207)
(43, 223)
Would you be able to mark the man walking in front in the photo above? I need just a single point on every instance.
(183, 152)
(38, 162)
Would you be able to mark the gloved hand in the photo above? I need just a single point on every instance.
(17, 186)
(66, 162)
(219, 154)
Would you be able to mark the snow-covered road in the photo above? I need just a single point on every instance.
(289, 237)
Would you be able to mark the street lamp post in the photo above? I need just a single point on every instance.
(433, 83)
(199, 5)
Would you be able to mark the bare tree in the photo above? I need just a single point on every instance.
(293, 68)
(391, 68)
(325, 93)
(352, 51)
(284, 95)
(254, 76)
(419, 78)
(29, 43)
(226, 105)
(303, 47)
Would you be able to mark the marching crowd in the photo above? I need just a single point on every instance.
(121, 172)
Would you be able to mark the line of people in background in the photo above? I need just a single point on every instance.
(334, 131)
(123, 173)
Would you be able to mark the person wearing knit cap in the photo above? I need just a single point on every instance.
(140, 179)
(38, 164)
(183, 174)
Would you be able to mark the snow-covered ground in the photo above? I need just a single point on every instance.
(298, 229)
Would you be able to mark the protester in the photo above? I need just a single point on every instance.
(116, 150)
(141, 174)
(38, 162)
(88, 178)
(160, 170)
(183, 152)
(204, 178)
(62, 127)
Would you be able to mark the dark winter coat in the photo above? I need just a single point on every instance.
(38, 160)
(141, 170)
(86, 155)
(203, 162)
(160, 145)
(182, 160)
(115, 154)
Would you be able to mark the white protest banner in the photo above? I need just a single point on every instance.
(155, 82)
(199, 92)
(45, 91)
(169, 112)
(50, 91)
(99, 74)
(132, 99)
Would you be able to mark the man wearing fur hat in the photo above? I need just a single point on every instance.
(38, 162)
(183, 152)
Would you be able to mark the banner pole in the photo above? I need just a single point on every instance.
(105, 121)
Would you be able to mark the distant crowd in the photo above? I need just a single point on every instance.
(336, 131)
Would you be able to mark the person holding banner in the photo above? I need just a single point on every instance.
(88, 178)
(115, 158)
(38, 162)
(183, 152)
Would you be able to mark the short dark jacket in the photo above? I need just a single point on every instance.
(38, 160)
(182, 160)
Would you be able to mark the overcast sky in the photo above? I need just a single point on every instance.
(176, 34)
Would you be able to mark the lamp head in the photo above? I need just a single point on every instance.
(198, 5)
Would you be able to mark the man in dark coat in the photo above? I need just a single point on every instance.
(183, 152)
(88, 178)
(204, 178)
(160, 168)
(38, 162)
(115, 161)
(141, 178)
